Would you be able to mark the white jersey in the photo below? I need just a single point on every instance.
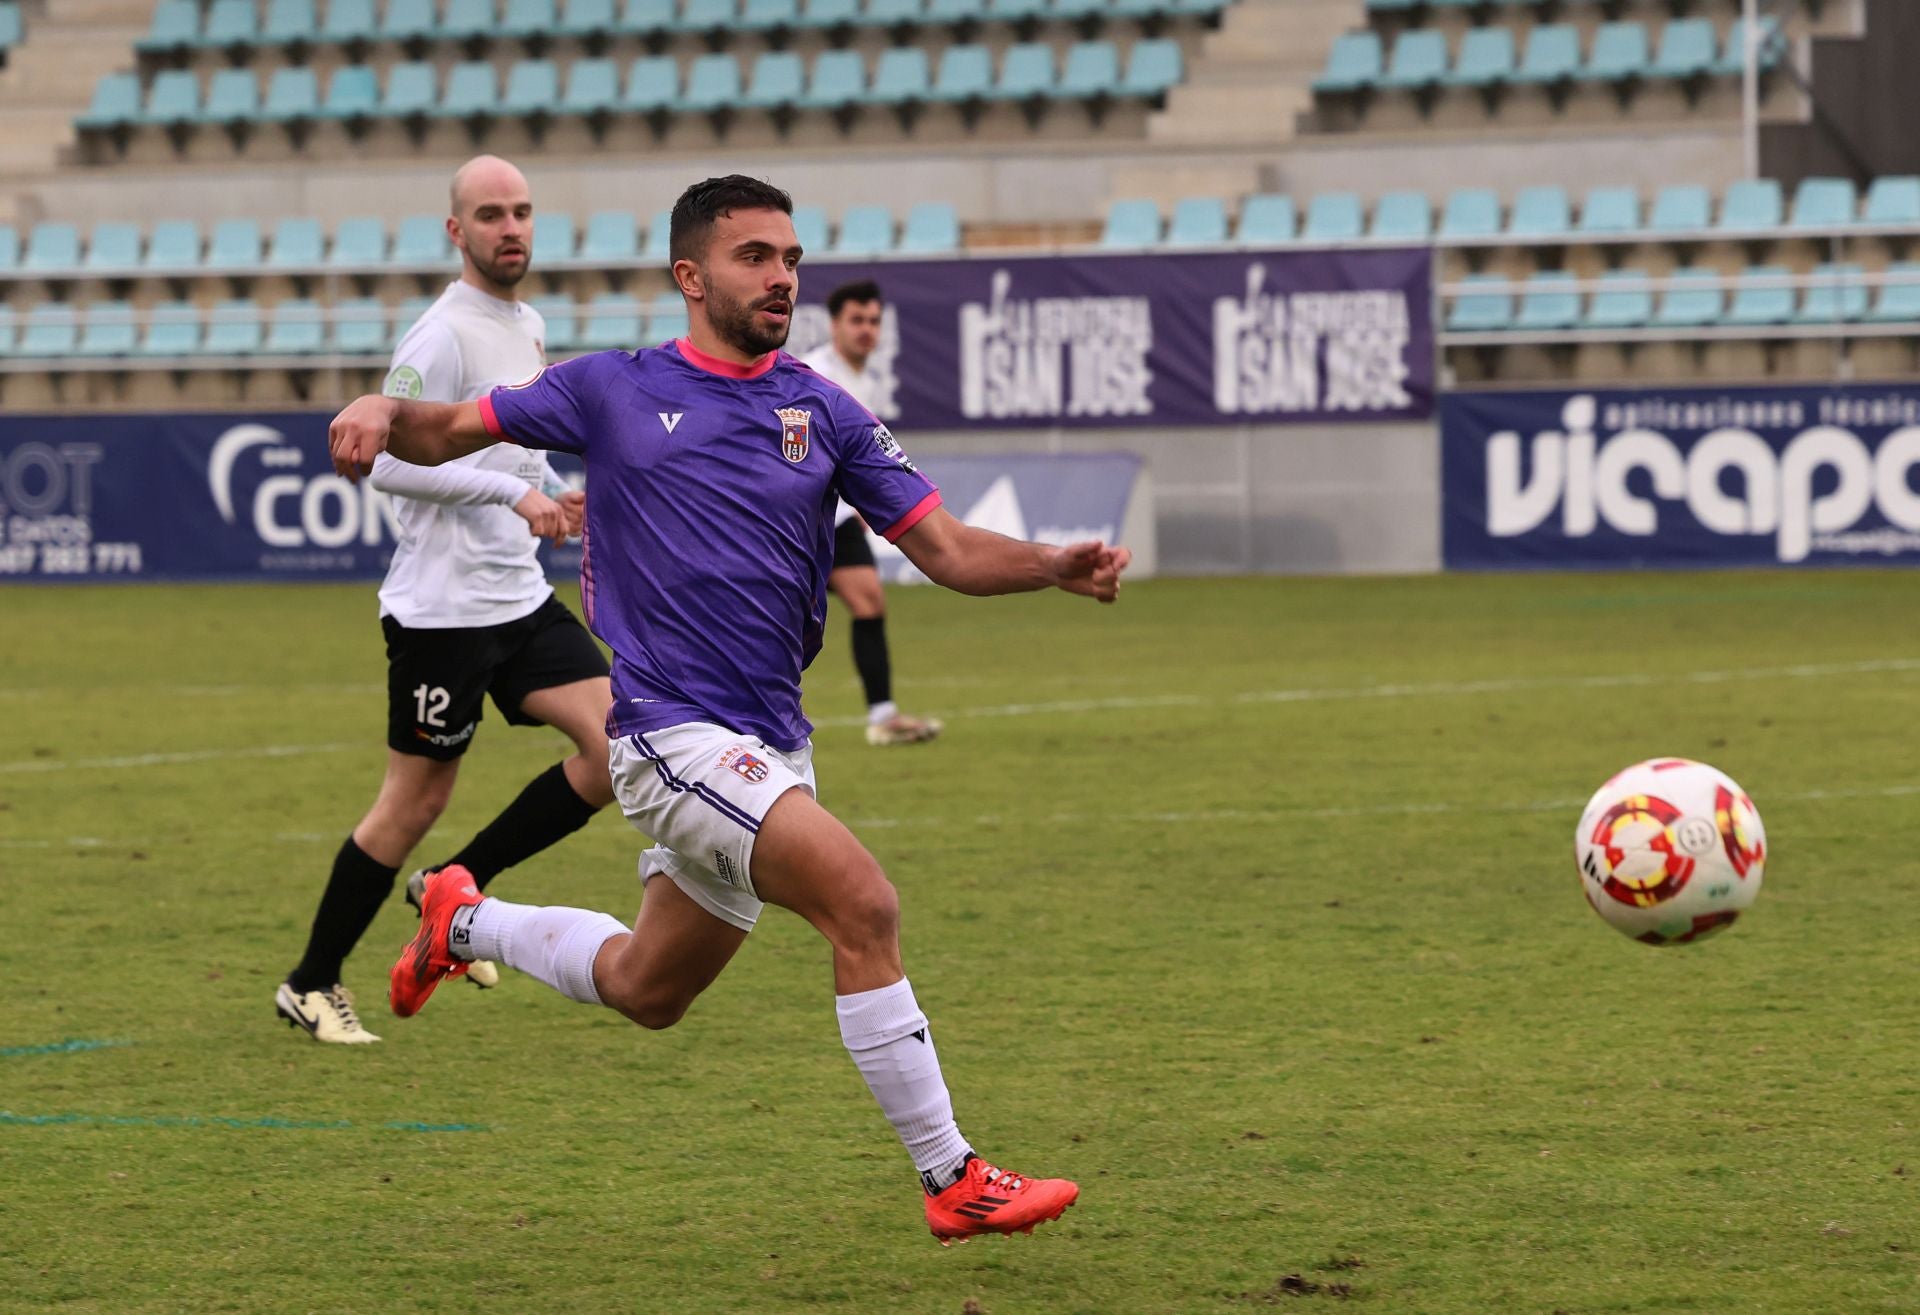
(828, 361)
(465, 557)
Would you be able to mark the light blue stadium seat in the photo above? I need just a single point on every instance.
(297, 244)
(1471, 213)
(49, 330)
(360, 327)
(894, 13)
(174, 98)
(965, 73)
(713, 83)
(1691, 307)
(473, 90)
(1893, 201)
(297, 327)
(1403, 217)
(1619, 53)
(1486, 58)
(231, 25)
(1760, 305)
(1751, 205)
(108, 330)
(529, 18)
(1823, 203)
(1898, 303)
(1843, 297)
(1068, 11)
(839, 77)
(647, 17)
(1354, 63)
(903, 75)
(587, 18)
(353, 92)
(1687, 49)
(175, 26)
(956, 11)
(659, 238)
(52, 248)
(408, 20)
(769, 15)
(290, 23)
(1197, 221)
(810, 226)
(1481, 312)
(612, 320)
(1153, 68)
(1549, 302)
(422, 240)
(113, 246)
(1541, 212)
(666, 318)
(533, 87)
(173, 329)
(359, 243)
(1267, 217)
(865, 230)
(233, 329)
(1552, 55)
(653, 83)
(12, 27)
(610, 238)
(465, 19)
(1334, 217)
(235, 245)
(829, 13)
(9, 249)
(232, 97)
(293, 96)
(1733, 55)
(932, 226)
(174, 246)
(1092, 71)
(116, 102)
(561, 319)
(1016, 11)
(553, 238)
(1419, 60)
(405, 315)
(708, 15)
(779, 79)
(1133, 223)
(349, 23)
(593, 87)
(1610, 210)
(1626, 308)
(1682, 208)
(7, 330)
(410, 91)
(1026, 72)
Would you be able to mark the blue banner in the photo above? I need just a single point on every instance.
(1681, 477)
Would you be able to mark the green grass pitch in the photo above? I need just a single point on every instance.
(1250, 904)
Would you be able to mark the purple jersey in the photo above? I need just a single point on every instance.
(710, 522)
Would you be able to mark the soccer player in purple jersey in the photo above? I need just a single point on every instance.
(716, 462)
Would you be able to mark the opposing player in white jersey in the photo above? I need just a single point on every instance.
(856, 310)
(466, 609)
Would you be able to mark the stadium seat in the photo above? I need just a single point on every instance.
(1619, 54)
(713, 83)
(593, 87)
(1842, 298)
(231, 25)
(1610, 210)
(1733, 55)
(612, 320)
(1026, 73)
(932, 226)
(769, 15)
(653, 83)
(296, 244)
(1419, 61)
(955, 12)
(1197, 221)
(473, 91)
(410, 91)
(965, 73)
(1898, 303)
(902, 76)
(1755, 304)
(1687, 49)
(659, 244)
(49, 330)
(1893, 202)
(865, 230)
(353, 92)
(108, 330)
(838, 77)
(1016, 11)
(12, 29)
(893, 13)
(830, 13)
(405, 315)
(1481, 312)
(1092, 71)
(173, 99)
(233, 329)
(646, 18)
(52, 248)
(1681, 209)
(359, 243)
(1684, 307)
(1354, 63)
(778, 80)
(810, 226)
(708, 16)
(1486, 58)
(1334, 217)
(465, 19)
(1131, 224)
(560, 319)
(408, 20)
(174, 246)
(116, 102)
(666, 319)
(235, 245)
(1751, 205)
(360, 327)
(1153, 68)
(9, 249)
(1267, 218)
(1471, 213)
(113, 247)
(1549, 302)
(297, 327)
(1403, 217)
(175, 27)
(609, 239)
(533, 88)
(290, 23)
(1540, 212)
(586, 18)
(232, 97)
(293, 96)
(173, 329)
(1823, 203)
(349, 23)
(553, 238)
(529, 18)
(422, 240)
(1552, 55)
(1627, 308)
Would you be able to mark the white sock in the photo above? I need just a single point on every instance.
(887, 1036)
(879, 714)
(553, 943)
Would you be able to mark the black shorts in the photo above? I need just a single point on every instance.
(850, 546)
(438, 680)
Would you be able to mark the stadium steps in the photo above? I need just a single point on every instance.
(1254, 75)
(48, 79)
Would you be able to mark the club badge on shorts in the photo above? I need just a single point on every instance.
(794, 424)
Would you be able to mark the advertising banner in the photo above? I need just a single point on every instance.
(1681, 477)
(1177, 339)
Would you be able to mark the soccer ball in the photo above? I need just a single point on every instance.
(1670, 851)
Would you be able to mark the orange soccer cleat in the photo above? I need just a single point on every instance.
(427, 961)
(990, 1200)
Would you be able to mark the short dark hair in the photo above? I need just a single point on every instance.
(861, 290)
(705, 203)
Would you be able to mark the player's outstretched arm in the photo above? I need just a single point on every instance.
(424, 433)
(975, 561)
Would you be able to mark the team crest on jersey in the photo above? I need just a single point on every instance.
(745, 764)
(795, 422)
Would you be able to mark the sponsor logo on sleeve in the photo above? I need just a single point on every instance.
(404, 382)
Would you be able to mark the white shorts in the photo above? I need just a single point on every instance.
(701, 791)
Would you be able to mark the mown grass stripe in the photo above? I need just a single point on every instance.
(71, 1046)
(9, 1118)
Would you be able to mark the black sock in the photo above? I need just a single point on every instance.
(358, 887)
(870, 658)
(546, 812)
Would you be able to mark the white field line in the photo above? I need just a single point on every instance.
(170, 759)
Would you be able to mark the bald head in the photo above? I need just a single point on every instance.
(485, 177)
(491, 223)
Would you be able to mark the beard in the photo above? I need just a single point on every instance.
(501, 275)
(737, 324)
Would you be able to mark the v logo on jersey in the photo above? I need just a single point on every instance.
(670, 419)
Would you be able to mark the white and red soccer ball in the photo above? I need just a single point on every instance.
(1670, 851)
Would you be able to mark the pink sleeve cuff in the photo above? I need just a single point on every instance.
(490, 420)
(919, 513)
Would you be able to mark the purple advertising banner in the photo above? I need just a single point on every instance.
(1306, 337)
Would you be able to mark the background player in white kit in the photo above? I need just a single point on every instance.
(856, 310)
(467, 610)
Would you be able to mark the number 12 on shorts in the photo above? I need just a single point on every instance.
(430, 701)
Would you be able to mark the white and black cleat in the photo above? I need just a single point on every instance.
(326, 1015)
